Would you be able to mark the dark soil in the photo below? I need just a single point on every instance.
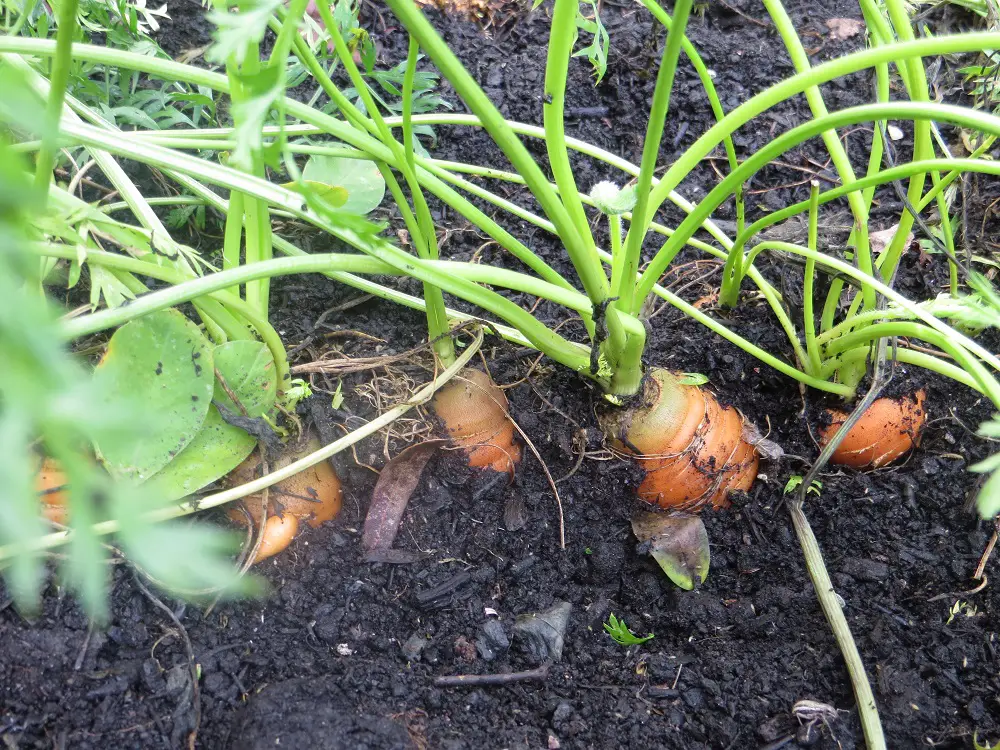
(344, 653)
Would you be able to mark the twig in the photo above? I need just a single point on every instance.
(981, 568)
(189, 650)
(741, 14)
(479, 680)
(347, 365)
(78, 665)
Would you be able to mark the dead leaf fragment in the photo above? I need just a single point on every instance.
(844, 28)
(395, 485)
(768, 449)
(879, 241)
(679, 544)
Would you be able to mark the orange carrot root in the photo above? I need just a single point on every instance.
(279, 531)
(314, 495)
(691, 447)
(888, 429)
(51, 486)
(474, 412)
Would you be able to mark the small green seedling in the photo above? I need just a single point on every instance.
(815, 487)
(338, 396)
(961, 608)
(620, 633)
(597, 51)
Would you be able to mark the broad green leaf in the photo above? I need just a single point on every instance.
(361, 179)
(247, 368)
(165, 358)
(216, 450)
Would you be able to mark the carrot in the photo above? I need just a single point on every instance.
(691, 447)
(279, 531)
(888, 429)
(51, 486)
(474, 413)
(313, 495)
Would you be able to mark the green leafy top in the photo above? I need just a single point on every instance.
(235, 32)
(597, 51)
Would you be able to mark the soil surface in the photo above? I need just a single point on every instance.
(343, 653)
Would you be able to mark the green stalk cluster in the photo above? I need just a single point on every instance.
(609, 288)
(621, 338)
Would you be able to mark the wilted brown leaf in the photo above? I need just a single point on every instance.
(880, 240)
(395, 485)
(844, 28)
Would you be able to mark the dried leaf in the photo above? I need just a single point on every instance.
(844, 28)
(514, 513)
(392, 492)
(879, 241)
(768, 449)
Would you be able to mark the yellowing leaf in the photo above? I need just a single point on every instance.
(335, 195)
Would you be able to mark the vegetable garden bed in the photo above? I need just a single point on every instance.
(343, 652)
